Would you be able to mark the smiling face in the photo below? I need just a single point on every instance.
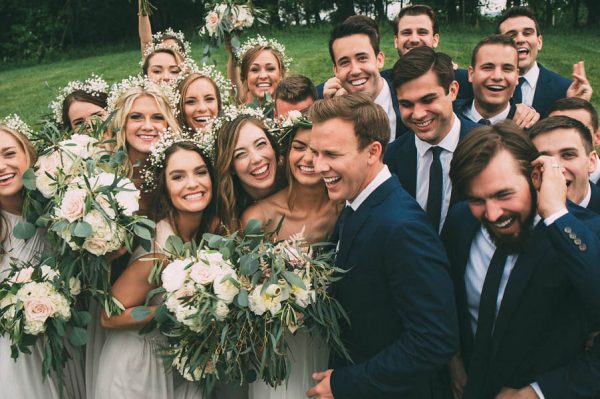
(254, 161)
(582, 116)
(143, 125)
(13, 164)
(494, 77)
(163, 67)
(415, 31)
(188, 181)
(425, 107)
(500, 197)
(567, 147)
(200, 103)
(357, 66)
(300, 160)
(264, 74)
(522, 29)
(81, 112)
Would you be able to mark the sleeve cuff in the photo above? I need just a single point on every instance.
(552, 218)
(537, 390)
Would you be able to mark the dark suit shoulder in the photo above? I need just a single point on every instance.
(562, 82)
(387, 74)
(594, 204)
(319, 89)
(465, 89)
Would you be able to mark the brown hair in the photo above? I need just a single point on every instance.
(418, 62)
(348, 29)
(575, 103)
(414, 10)
(369, 119)
(489, 40)
(183, 87)
(363, 19)
(478, 148)
(97, 98)
(232, 199)
(163, 206)
(563, 122)
(175, 54)
(251, 55)
(295, 88)
(519, 11)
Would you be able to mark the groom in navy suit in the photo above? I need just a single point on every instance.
(526, 273)
(397, 290)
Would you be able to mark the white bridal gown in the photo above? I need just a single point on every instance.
(23, 379)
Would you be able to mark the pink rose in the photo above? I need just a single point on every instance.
(73, 205)
(38, 309)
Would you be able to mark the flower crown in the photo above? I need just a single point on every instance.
(156, 159)
(158, 37)
(261, 41)
(210, 71)
(118, 89)
(14, 122)
(161, 46)
(285, 125)
(94, 86)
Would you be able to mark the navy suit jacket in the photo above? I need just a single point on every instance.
(550, 306)
(400, 128)
(550, 87)
(401, 157)
(594, 204)
(399, 297)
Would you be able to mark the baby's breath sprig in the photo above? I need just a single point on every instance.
(261, 41)
(94, 86)
(118, 89)
(158, 38)
(14, 122)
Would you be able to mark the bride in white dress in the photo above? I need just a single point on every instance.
(306, 208)
(23, 378)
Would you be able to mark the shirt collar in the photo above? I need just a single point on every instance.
(384, 94)
(448, 143)
(476, 116)
(379, 179)
(531, 76)
(586, 200)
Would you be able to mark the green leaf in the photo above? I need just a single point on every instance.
(142, 232)
(140, 313)
(242, 299)
(293, 279)
(29, 179)
(24, 230)
(78, 336)
(248, 264)
(82, 229)
(213, 240)
(254, 227)
(81, 319)
(174, 245)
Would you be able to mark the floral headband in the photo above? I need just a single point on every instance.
(285, 125)
(158, 38)
(166, 89)
(223, 84)
(14, 122)
(261, 41)
(94, 86)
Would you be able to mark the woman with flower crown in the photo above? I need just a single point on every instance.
(302, 207)
(130, 365)
(262, 65)
(143, 114)
(246, 166)
(23, 378)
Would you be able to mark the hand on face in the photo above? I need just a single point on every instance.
(333, 88)
(548, 178)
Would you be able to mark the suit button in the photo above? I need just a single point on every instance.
(572, 236)
(568, 230)
(582, 247)
(577, 241)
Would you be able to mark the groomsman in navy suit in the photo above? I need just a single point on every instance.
(494, 74)
(397, 289)
(526, 273)
(570, 142)
(585, 113)
(425, 86)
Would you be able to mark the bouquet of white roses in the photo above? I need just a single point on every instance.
(230, 302)
(37, 304)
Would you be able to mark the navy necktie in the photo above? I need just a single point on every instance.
(346, 213)
(484, 121)
(518, 94)
(486, 317)
(434, 197)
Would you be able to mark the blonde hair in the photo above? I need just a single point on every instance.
(183, 87)
(31, 156)
(123, 107)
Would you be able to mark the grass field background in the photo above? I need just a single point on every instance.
(28, 90)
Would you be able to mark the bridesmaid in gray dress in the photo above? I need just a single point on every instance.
(23, 378)
(130, 366)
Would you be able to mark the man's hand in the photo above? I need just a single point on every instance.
(458, 376)
(580, 87)
(333, 87)
(523, 393)
(323, 388)
(549, 180)
(525, 116)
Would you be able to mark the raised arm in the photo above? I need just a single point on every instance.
(144, 29)
(233, 72)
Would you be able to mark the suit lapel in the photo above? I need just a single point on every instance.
(408, 172)
(542, 90)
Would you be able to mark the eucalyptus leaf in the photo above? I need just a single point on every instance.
(82, 229)
(29, 179)
(139, 313)
(254, 227)
(142, 232)
(242, 299)
(294, 279)
(248, 264)
(174, 245)
(78, 336)
(24, 230)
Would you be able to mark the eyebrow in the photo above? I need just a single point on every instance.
(8, 148)
(183, 171)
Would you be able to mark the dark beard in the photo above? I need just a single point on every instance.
(516, 244)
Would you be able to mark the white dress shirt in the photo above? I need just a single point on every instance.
(424, 159)
(379, 179)
(595, 175)
(529, 85)
(475, 116)
(384, 99)
(587, 198)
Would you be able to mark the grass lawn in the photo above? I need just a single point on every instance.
(28, 90)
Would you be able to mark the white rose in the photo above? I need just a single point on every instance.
(23, 275)
(80, 145)
(128, 200)
(221, 310)
(102, 200)
(245, 18)
(203, 274)
(224, 289)
(100, 226)
(96, 246)
(256, 302)
(46, 185)
(175, 274)
(61, 304)
(38, 309)
(294, 115)
(74, 286)
(48, 273)
(212, 21)
(48, 163)
(72, 205)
